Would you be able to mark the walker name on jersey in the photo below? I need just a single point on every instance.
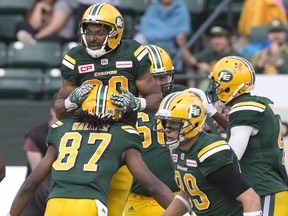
(87, 68)
(124, 64)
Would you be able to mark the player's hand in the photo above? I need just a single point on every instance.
(209, 108)
(126, 100)
(77, 96)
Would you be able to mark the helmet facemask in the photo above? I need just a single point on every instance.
(112, 24)
(168, 87)
(110, 33)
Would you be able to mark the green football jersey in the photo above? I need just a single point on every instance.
(263, 160)
(208, 154)
(154, 153)
(130, 61)
(87, 159)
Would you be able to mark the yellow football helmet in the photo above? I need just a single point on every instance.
(98, 102)
(104, 14)
(185, 108)
(161, 64)
(231, 77)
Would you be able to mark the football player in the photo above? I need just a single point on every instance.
(83, 155)
(104, 58)
(206, 168)
(254, 132)
(154, 153)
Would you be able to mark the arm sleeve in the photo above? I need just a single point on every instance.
(239, 139)
(230, 179)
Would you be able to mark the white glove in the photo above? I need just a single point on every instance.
(127, 101)
(77, 96)
(209, 108)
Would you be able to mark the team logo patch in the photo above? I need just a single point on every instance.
(225, 76)
(194, 111)
(124, 64)
(104, 61)
(191, 163)
(87, 68)
(119, 22)
(175, 158)
(182, 156)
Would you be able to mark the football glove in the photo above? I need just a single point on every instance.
(126, 100)
(77, 96)
(209, 108)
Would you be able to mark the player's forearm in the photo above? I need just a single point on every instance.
(162, 194)
(60, 109)
(221, 120)
(152, 103)
(250, 200)
(22, 199)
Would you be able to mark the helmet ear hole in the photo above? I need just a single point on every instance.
(227, 90)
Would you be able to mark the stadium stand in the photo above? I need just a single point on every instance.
(20, 83)
(7, 26)
(38, 55)
(15, 6)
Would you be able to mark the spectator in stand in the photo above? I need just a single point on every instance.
(260, 13)
(162, 23)
(35, 147)
(274, 59)
(220, 46)
(47, 20)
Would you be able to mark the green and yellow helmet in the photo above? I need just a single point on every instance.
(231, 77)
(103, 14)
(98, 102)
(185, 108)
(161, 64)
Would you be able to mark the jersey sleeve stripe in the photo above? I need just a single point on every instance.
(213, 151)
(57, 124)
(251, 108)
(68, 64)
(142, 54)
(70, 59)
(255, 104)
(132, 131)
(211, 146)
(139, 50)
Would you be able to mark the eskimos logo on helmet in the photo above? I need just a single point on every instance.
(119, 22)
(225, 76)
(194, 111)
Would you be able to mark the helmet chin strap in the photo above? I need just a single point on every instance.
(234, 93)
(97, 53)
(172, 144)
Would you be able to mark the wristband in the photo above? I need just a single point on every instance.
(256, 213)
(142, 104)
(184, 201)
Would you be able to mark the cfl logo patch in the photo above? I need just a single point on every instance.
(225, 76)
(194, 111)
